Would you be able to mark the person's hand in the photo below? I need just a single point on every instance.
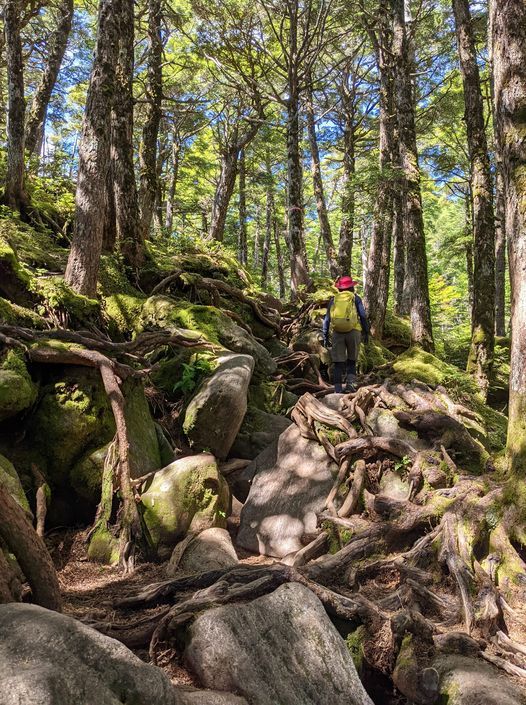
(365, 338)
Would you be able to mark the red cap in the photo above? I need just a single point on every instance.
(345, 283)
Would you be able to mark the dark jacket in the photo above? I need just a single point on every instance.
(361, 316)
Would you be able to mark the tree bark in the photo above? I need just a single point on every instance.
(94, 156)
(480, 359)
(14, 194)
(172, 188)
(223, 192)
(416, 256)
(30, 552)
(242, 239)
(150, 132)
(129, 238)
(378, 266)
(349, 168)
(279, 261)
(270, 224)
(36, 118)
(509, 60)
(401, 307)
(500, 253)
(317, 181)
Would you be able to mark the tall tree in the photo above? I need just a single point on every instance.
(509, 61)
(14, 194)
(242, 237)
(94, 154)
(483, 315)
(128, 234)
(317, 180)
(416, 256)
(36, 118)
(148, 179)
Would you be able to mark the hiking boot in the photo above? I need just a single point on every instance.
(351, 385)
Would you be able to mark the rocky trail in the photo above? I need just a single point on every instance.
(211, 505)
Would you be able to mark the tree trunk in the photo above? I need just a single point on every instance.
(30, 552)
(242, 240)
(480, 359)
(416, 256)
(317, 181)
(270, 224)
(170, 200)
(37, 114)
(377, 286)
(128, 233)
(279, 261)
(150, 132)
(509, 60)
(14, 194)
(468, 234)
(500, 253)
(94, 153)
(401, 307)
(347, 204)
(223, 192)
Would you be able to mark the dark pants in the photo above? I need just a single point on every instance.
(344, 353)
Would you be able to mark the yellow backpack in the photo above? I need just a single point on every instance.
(344, 316)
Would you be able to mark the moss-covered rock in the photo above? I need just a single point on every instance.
(17, 390)
(373, 355)
(189, 494)
(123, 311)
(272, 397)
(214, 326)
(86, 475)
(103, 547)
(10, 480)
(60, 298)
(397, 332)
(16, 315)
(14, 277)
(417, 364)
(72, 417)
(258, 430)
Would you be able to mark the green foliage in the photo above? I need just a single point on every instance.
(193, 373)
(403, 464)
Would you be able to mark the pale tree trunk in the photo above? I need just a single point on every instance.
(223, 193)
(270, 224)
(416, 256)
(94, 156)
(468, 234)
(348, 202)
(257, 247)
(154, 93)
(129, 238)
(172, 188)
(279, 261)
(242, 238)
(14, 194)
(509, 61)
(36, 118)
(480, 359)
(377, 285)
(317, 181)
(401, 307)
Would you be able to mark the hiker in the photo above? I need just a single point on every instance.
(347, 321)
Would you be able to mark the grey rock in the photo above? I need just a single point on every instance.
(333, 401)
(383, 423)
(456, 643)
(471, 681)
(393, 486)
(48, 658)
(292, 482)
(258, 430)
(215, 414)
(212, 549)
(280, 648)
(209, 697)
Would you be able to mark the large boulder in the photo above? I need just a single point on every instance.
(280, 648)
(187, 495)
(290, 487)
(10, 480)
(465, 680)
(48, 658)
(17, 390)
(213, 324)
(215, 414)
(212, 549)
(258, 430)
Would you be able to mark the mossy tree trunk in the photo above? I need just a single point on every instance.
(509, 62)
(128, 233)
(150, 133)
(94, 156)
(270, 218)
(14, 193)
(483, 313)
(347, 92)
(317, 182)
(416, 273)
(36, 118)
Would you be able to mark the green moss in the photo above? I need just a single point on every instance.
(123, 311)
(86, 475)
(417, 364)
(373, 355)
(354, 642)
(62, 300)
(10, 480)
(36, 249)
(15, 315)
(9, 259)
(103, 547)
(17, 390)
(271, 397)
(397, 331)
